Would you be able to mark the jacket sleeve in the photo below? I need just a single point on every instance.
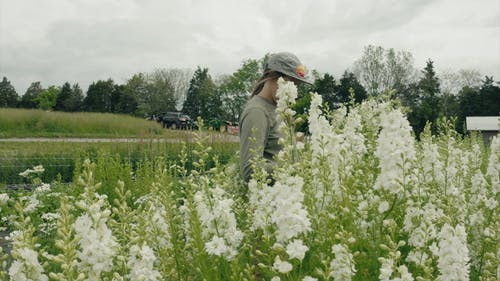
(253, 124)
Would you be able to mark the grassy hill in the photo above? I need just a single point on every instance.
(37, 123)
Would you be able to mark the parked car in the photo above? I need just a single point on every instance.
(176, 120)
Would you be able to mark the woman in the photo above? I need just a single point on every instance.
(258, 119)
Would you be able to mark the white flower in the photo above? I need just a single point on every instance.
(282, 266)
(309, 278)
(44, 188)
(386, 269)
(218, 222)
(384, 206)
(276, 278)
(405, 275)
(296, 250)
(419, 258)
(396, 152)
(493, 170)
(289, 216)
(342, 265)
(286, 94)
(453, 263)
(4, 198)
(26, 266)
(97, 245)
(38, 169)
(217, 246)
(156, 224)
(140, 264)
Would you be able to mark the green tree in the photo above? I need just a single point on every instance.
(63, 96)
(490, 98)
(28, 100)
(98, 97)
(8, 95)
(123, 101)
(348, 82)
(326, 86)
(201, 90)
(136, 88)
(75, 101)
(428, 104)
(160, 93)
(46, 100)
(237, 88)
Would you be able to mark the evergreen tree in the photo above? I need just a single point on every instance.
(8, 95)
(98, 97)
(62, 97)
(326, 86)
(428, 108)
(469, 105)
(75, 101)
(28, 100)
(490, 98)
(347, 82)
(123, 101)
(201, 98)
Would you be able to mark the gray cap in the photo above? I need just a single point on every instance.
(288, 64)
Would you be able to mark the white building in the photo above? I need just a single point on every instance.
(488, 126)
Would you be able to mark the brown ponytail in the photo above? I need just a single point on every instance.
(268, 75)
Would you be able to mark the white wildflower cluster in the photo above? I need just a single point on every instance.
(420, 223)
(34, 198)
(396, 152)
(260, 197)
(49, 222)
(36, 170)
(432, 166)
(296, 249)
(342, 265)
(218, 221)
(453, 184)
(289, 215)
(141, 262)
(453, 262)
(286, 95)
(282, 266)
(324, 148)
(493, 170)
(26, 266)
(156, 223)
(97, 245)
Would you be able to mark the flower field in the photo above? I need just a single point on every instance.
(358, 199)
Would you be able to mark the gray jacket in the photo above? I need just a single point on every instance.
(259, 114)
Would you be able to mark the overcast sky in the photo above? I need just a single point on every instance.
(81, 41)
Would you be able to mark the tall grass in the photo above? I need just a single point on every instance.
(38, 123)
(59, 158)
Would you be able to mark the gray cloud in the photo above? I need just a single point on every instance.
(83, 41)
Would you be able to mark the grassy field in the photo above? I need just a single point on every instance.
(38, 123)
(59, 158)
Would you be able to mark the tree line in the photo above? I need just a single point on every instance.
(378, 72)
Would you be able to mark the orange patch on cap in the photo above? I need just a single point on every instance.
(301, 71)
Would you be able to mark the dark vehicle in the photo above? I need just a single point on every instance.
(176, 120)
